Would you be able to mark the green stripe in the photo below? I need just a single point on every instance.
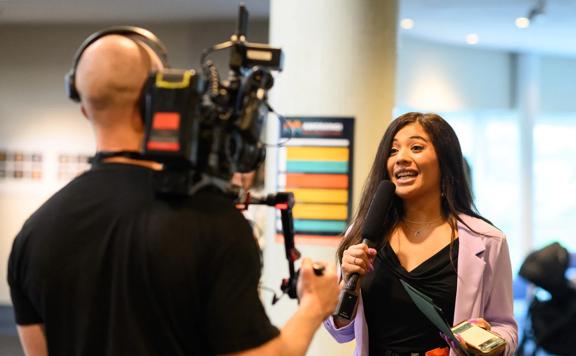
(317, 166)
(335, 226)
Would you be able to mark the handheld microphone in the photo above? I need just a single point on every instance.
(371, 233)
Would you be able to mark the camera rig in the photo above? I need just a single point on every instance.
(284, 202)
(203, 129)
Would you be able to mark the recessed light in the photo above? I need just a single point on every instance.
(407, 24)
(522, 22)
(472, 39)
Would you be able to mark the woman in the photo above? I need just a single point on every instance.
(434, 240)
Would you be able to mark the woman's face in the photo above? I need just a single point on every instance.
(413, 164)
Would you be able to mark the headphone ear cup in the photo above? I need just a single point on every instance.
(148, 84)
(70, 85)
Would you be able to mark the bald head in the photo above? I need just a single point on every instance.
(110, 76)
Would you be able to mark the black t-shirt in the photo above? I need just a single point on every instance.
(394, 321)
(109, 268)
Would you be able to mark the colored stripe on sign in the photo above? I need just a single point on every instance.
(317, 240)
(320, 195)
(320, 211)
(317, 166)
(330, 142)
(314, 226)
(317, 154)
(299, 180)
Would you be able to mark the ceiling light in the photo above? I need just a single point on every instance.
(472, 39)
(522, 22)
(407, 24)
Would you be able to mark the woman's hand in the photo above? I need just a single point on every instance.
(480, 322)
(453, 345)
(357, 259)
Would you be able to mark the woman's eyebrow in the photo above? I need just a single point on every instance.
(418, 137)
(415, 137)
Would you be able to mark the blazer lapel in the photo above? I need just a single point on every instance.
(470, 271)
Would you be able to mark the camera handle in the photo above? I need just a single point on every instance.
(284, 201)
(242, 22)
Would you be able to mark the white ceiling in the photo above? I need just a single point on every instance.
(553, 32)
(439, 20)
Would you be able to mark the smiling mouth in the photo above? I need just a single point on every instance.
(405, 176)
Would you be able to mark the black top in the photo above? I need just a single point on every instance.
(394, 322)
(111, 269)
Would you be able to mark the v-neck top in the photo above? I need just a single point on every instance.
(394, 322)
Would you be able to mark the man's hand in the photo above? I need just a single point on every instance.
(318, 292)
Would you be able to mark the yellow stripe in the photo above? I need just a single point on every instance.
(320, 211)
(320, 195)
(317, 154)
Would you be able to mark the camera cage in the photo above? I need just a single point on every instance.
(203, 129)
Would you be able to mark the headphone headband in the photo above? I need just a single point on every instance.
(139, 33)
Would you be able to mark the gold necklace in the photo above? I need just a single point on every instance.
(425, 225)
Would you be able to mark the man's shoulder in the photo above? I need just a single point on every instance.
(93, 191)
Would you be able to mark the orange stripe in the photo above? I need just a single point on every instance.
(299, 180)
(332, 240)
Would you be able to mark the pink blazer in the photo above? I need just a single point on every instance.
(484, 287)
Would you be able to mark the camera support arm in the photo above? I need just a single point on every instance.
(283, 201)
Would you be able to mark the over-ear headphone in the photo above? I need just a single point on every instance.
(137, 33)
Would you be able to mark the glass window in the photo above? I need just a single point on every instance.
(555, 181)
(490, 143)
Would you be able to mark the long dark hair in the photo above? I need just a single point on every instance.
(454, 185)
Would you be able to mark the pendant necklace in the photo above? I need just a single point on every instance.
(423, 226)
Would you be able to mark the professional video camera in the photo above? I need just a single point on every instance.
(204, 129)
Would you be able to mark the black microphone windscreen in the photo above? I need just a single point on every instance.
(377, 211)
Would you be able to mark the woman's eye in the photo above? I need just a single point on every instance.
(417, 148)
(393, 151)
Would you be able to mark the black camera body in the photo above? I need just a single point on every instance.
(203, 129)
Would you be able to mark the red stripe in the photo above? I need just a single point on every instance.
(166, 121)
(163, 146)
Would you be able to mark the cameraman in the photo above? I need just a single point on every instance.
(105, 267)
